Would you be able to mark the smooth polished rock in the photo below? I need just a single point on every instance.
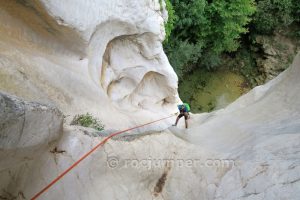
(106, 58)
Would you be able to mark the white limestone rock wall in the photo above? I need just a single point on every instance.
(266, 164)
(102, 57)
(132, 61)
(35, 149)
(265, 150)
(27, 130)
(109, 174)
(261, 132)
(105, 57)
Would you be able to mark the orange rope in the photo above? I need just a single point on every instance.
(89, 153)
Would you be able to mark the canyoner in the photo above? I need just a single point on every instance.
(184, 110)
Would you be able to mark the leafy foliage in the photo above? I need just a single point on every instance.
(87, 120)
(227, 20)
(210, 60)
(169, 26)
(191, 14)
(205, 29)
(183, 55)
(208, 34)
(273, 13)
(296, 10)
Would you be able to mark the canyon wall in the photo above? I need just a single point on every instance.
(62, 58)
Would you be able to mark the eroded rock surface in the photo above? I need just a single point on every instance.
(27, 129)
(106, 58)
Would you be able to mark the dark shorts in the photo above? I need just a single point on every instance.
(185, 114)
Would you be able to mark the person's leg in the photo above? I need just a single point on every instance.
(186, 116)
(177, 119)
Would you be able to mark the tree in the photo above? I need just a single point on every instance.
(296, 10)
(190, 14)
(183, 55)
(226, 22)
(207, 28)
(169, 26)
(272, 14)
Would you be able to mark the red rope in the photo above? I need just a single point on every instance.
(89, 153)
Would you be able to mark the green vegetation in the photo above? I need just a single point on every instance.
(272, 14)
(296, 10)
(183, 56)
(203, 30)
(87, 120)
(169, 26)
(229, 36)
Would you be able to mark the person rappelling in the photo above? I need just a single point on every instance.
(184, 110)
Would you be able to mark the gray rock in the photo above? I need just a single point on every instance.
(24, 124)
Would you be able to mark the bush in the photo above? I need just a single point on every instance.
(212, 27)
(190, 14)
(210, 60)
(226, 21)
(296, 10)
(87, 120)
(169, 26)
(183, 56)
(272, 14)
